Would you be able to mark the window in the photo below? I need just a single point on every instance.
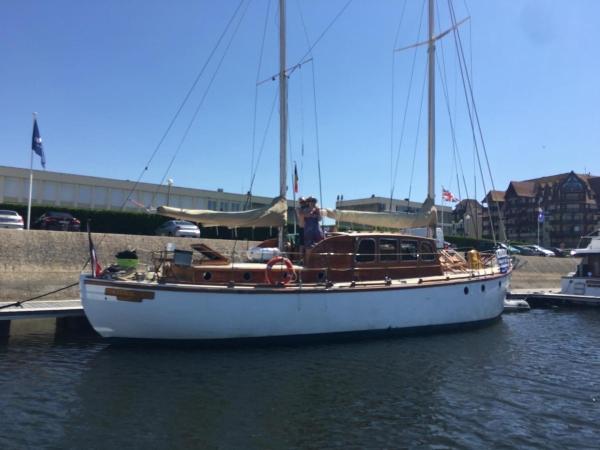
(85, 194)
(50, 191)
(100, 196)
(408, 250)
(224, 206)
(117, 197)
(67, 193)
(235, 206)
(212, 204)
(366, 250)
(13, 187)
(187, 202)
(574, 196)
(427, 252)
(388, 249)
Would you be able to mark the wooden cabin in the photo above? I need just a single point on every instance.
(344, 257)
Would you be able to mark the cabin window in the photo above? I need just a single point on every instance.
(408, 250)
(366, 250)
(427, 253)
(388, 249)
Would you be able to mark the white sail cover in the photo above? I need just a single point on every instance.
(273, 215)
(427, 217)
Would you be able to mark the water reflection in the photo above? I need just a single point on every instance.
(529, 380)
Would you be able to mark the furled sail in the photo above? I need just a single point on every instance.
(427, 217)
(273, 215)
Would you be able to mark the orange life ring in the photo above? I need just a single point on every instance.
(288, 275)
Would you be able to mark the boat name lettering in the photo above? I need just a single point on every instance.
(129, 295)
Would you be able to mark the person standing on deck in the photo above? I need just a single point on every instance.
(309, 216)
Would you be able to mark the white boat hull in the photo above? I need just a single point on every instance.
(203, 313)
(572, 285)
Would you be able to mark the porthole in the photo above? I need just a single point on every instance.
(466, 290)
(247, 276)
(483, 288)
(207, 276)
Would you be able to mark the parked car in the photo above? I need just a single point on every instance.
(180, 228)
(10, 219)
(560, 252)
(526, 250)
(509, 248)
(61, 221)
(541, 251)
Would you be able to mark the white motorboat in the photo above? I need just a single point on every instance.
(585, 281)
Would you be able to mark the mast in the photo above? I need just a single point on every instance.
(431, 102)
(282, 113)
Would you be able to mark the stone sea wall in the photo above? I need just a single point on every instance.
(539, 272)
(35, 262)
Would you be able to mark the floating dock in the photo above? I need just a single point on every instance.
(67, 315)
(554, 298)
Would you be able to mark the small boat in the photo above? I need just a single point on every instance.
(346, 284)
(516, 305)
(585, 281)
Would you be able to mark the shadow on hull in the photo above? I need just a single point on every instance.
(302, 339)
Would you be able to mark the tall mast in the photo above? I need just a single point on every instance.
(431, 101)
(282, 112)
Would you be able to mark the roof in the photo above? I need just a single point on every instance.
(494, 196)
(523, 188)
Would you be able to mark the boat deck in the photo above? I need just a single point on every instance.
(458, 277)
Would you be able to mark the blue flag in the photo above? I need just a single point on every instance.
(36, 143)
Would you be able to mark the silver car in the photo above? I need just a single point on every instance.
(180, 228)
(10, 219)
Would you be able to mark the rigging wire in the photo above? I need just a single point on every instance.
(405, 114)
(262, 145)
(484, 147)
(204, 95)
(468, 92)
(452, 122)
(456, 154)
(323, 33)
(154, 152)
(393, 96)
(412, 171)
(260, 59)
(184, 102)
(314, 89)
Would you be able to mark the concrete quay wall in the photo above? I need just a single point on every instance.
(539, 272)
(37, 261)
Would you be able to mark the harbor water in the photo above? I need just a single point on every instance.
(531, 380)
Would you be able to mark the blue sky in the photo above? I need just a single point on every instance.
(107, 77)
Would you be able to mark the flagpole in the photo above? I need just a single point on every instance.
(30, 183)
(443, 213)
(294, 197)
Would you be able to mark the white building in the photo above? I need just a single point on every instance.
(78, 191)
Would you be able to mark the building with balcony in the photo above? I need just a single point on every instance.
(569, 203)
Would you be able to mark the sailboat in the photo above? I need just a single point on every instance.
(348, 283)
